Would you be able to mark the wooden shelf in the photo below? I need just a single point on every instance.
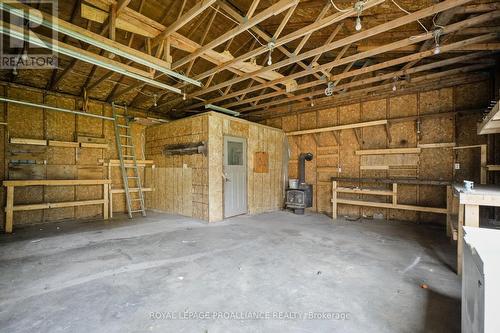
(34, 142)
(389, 151)
(339, 128)
(10, 208)
(55, 143)
(364, 191)
(58, 182)
(134, 190)
(491, 124)
(392, 205)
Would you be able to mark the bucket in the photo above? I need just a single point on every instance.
(293, 184)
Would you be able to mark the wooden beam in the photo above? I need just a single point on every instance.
(345, 41)
(179, 23)
(338, 128)
(265, 14)
(422, 83)
(112, 22)
(253, 7)
(389, 151)
(361, 82)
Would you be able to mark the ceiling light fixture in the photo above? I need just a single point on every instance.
(271, 46)
(221, 109)
(358, 7)
(437, 36)
(394, 85)
(329, 90)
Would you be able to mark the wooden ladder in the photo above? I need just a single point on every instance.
(126, 155)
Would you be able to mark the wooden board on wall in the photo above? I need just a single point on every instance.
(435, 132)
(261, 162)
(59, 161)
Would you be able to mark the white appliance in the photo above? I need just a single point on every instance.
(481, 281)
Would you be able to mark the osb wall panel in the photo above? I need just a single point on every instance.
(434, 163)
(55, 162)
(265, 190)
(194, 168)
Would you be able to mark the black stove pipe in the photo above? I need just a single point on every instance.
(302, 166)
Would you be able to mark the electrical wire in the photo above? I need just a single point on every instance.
(407, 12)
(231, 19)
(434, 22)
(338, 9)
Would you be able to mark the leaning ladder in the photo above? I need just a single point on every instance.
(126, 155)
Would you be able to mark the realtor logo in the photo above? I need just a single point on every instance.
(28, 41)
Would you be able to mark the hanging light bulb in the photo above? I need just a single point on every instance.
(358, 7)
(155, 98)
(270, 46)
(358, 24)
(437, 35)
(394, 85)
(183, 96)
(24, 57)
(437, 50)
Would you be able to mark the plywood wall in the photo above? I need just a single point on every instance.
(47, 162)
(181, 182)
(265, 190)
(440, 122)
(202, 175)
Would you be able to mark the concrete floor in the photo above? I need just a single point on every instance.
(96, 277)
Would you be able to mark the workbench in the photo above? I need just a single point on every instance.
(10, 208)
(393, 194)
(468, 204)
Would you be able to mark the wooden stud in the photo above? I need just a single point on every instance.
(9, 210)
(334, 200)
(394, 194)
(449, 206)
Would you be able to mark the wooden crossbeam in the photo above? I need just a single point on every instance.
(189, 16)
(445, 5)
(371, 80)
(262, 16)
(364, 70)
(378, 79)
(428, 82)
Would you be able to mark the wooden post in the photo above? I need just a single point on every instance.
(334, 200)
(394, 194)
(9, 210)
(484, 162)
(449, 207)
(105, 211)
(460, 240)
(471, 216)
(110, 202)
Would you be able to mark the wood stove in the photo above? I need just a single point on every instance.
(298, 199)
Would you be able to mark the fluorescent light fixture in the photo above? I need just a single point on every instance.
(221, 109)
(52, 108)
(64, 28)
(15, 32)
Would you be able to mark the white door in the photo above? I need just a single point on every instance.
(235, 176)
